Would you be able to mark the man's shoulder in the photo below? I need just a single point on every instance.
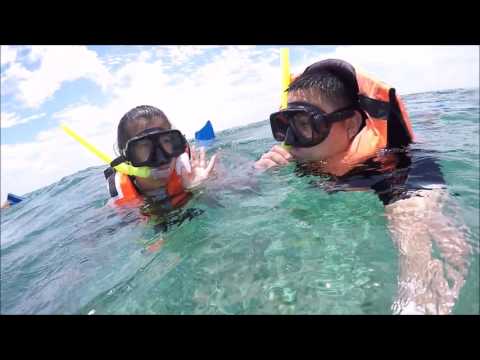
(396, 175)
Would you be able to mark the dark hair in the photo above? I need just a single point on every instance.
(330, 87)
(139, 117)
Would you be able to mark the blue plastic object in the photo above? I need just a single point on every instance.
(14, 199)
(205, 135)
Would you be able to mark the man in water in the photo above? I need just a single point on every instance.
(345, 124)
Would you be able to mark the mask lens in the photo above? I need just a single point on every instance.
(302, 124)
(166, 143)
(279, 125)
(308, 131)
(139, 151)
(173, 143)
(155, 148)
(161, 158)
(322, 129)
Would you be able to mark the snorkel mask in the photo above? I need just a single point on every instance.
(165, 145)
(154, 148)
(303, 124)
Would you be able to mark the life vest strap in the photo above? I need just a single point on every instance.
(108, 172)
(375, 108)
(118, 161)
(398, 135)
(112, 189)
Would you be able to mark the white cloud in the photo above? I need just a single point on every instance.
(11, 119)
(29, 166)
(233, 90)
(412, 69)
(179, 54)
(238, 85)
(8, 54)
(9, 80)
(57, 65)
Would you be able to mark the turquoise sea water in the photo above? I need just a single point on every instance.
(264, 244)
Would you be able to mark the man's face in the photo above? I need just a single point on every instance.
(337, 140)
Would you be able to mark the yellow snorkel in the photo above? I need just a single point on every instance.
(285, 68)
(124, 168)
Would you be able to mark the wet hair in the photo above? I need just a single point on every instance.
(328, 85)
(137, 119)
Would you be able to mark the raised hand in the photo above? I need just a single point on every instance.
(199, 169)
(276, 156)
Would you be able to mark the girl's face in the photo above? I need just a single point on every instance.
(163, 172)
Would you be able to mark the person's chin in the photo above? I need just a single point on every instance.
(161, 173)
(163, 167)
(296, 153)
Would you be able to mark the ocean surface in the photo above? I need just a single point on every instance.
(247, 243)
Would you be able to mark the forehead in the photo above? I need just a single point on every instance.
(141, 124)
(311, 96)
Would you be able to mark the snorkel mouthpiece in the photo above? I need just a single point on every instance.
(127, 169)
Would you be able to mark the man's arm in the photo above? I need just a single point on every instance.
(427, 285)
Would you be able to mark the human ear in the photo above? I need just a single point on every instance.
(352, 125)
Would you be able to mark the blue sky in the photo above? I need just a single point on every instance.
(91, 87)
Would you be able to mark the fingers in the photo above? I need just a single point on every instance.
(198, 158)
(155, 246)
(193, 156)
(193, 152)
(199, 174)
(183, 164)
(211, 164)
(264, 164)
(280, 150)
(202, 158)
(275, 157)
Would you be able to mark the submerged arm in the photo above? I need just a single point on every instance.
(427, 285)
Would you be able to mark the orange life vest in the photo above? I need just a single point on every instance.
(387, 125)
(123, 191)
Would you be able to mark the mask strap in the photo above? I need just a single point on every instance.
(118, 161)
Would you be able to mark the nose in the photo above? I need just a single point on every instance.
(289, 137)
(161, 156)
